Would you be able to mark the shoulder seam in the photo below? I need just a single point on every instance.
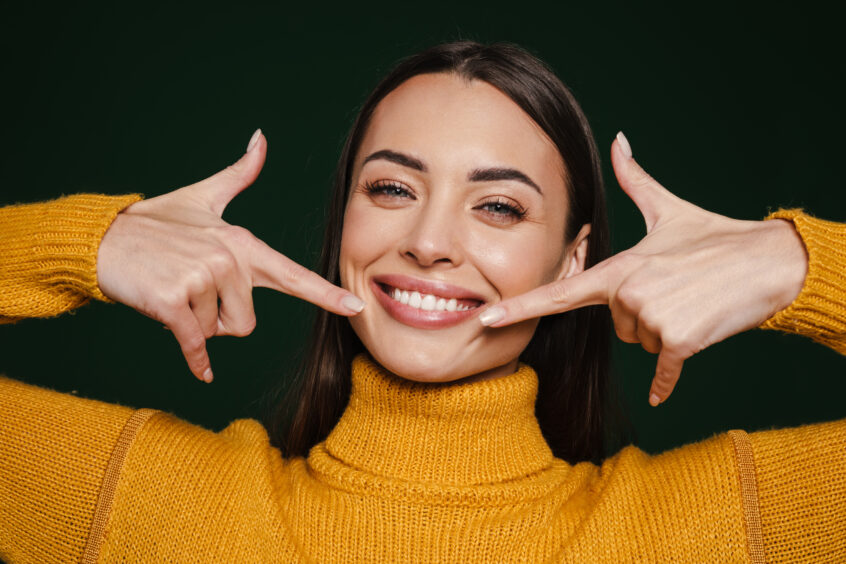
(110, 481)
(749, 494)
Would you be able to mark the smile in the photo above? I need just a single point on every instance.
(424, 304)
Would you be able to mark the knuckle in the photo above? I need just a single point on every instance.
(194, 345)
(632, 296)
(241, 236)
(221, 262)
(558, 293)
(246, 328)
(172, 301)
(198, 280)
(294, 274)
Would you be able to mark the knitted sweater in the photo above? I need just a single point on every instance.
(411, 473)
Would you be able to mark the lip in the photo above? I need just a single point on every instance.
(419, 318)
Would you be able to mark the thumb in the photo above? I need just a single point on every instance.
(220, 189)
(649, 196)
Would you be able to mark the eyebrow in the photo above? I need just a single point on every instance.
(488, 174)
(478, 175)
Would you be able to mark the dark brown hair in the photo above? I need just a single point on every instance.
(577, 408)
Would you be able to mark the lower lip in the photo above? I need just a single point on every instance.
(416, 317)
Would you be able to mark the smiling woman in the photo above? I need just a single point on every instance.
(455, 403)
(474, 168)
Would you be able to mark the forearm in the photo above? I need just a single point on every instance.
(819, 312)
(48, 253)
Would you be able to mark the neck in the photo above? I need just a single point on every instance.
(465, 432)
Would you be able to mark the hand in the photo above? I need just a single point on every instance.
(174, 259)
(695, 279)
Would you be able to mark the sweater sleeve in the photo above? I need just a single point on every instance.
(819, 311)
(801, 484)
(54, 452)
(48, 253)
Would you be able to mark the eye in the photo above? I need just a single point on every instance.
(502, 210)
(387, 189)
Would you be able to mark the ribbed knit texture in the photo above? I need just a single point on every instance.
(49, 253)
(819, 312)
(457, 494)
(411, 473)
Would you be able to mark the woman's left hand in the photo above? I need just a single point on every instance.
(695, 279)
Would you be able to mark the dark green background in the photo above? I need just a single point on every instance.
(737, 109)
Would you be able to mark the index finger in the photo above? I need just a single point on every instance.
(274, 270)
(587, 288)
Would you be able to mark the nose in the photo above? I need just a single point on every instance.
(432, 238)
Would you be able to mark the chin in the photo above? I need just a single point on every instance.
(420, 366)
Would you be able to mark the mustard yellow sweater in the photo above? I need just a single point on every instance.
(411, 473)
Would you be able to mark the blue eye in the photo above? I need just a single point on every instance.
(389, 189)
(502, 210)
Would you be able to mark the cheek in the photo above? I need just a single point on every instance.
(363, 240)
(515, 265)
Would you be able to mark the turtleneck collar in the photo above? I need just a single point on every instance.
(453, 434)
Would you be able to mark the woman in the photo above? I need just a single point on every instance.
(468, 202)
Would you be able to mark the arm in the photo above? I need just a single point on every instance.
(54, 451)
(48, 253)
(819, 312)
(695, 279)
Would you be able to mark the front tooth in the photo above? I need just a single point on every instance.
(441, 305)
(452, 304)
(415, 300)
(429, 302)
(404, 297)
(397, 295)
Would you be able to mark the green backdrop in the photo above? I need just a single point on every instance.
(736, 109)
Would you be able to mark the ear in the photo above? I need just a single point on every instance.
(576, 254)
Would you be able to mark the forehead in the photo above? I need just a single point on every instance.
(452, 123)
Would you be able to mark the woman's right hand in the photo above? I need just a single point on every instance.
(174, 259)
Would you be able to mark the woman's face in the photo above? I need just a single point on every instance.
(458, 202)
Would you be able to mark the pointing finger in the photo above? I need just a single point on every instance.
(667, 374)
(274, 270)
(189, 334)
(587, 288)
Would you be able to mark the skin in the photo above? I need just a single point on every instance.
(437, 225)
(695, 279)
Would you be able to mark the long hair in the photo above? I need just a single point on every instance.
(578, 408)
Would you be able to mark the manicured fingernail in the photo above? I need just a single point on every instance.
(624, 144)
(253, 140)
(207, 375)
(353, 303)
(654, 400)
(492, 315)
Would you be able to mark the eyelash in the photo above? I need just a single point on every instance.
(505, 207)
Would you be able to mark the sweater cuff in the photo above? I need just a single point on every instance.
(819, 311)
(50, 252)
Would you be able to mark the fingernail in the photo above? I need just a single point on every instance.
(353, 303)
(624, 144)
(654, 400)
(207, 375)
(492, 315)
(253, 140)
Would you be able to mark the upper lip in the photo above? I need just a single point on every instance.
(435, 287)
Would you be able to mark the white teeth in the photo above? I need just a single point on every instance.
(427, 302)
(415, 300)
